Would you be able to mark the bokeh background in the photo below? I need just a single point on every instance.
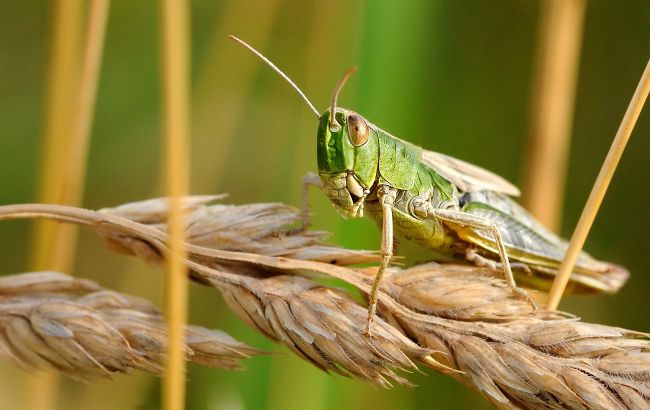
(451, 76)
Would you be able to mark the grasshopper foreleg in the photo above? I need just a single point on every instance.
(473, 221)
(386, 196)
(310, 179)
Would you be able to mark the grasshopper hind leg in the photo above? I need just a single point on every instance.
(475, 222)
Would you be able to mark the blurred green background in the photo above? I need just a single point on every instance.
(451, 76)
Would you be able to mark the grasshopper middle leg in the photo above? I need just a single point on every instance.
(473, 221)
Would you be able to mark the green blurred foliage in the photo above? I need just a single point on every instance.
(451, 76)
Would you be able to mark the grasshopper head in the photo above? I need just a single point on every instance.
(348, 156)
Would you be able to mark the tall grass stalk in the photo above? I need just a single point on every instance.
(61, 85)
(84, 105)
(551, 115)
(69, 113)
(175, 47)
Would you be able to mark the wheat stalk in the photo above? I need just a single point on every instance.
(49, 320)
(459, 320)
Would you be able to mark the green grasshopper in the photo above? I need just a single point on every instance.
(437, 201)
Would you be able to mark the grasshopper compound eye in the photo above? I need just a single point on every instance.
(357, 130)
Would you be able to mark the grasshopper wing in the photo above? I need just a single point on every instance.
(542, 251)
(467, 177)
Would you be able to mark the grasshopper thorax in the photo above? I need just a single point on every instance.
(348, 157)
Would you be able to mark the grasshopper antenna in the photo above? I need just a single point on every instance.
(277, 70)
(334, 125)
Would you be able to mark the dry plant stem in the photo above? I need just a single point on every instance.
(467, 323)
(174, 26)
(61, 86)
(598, 191)
(75, 173)
(73, 143)
(556, 70)
(67, 142)
(41, 391)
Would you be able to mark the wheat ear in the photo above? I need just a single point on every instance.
(51, 320)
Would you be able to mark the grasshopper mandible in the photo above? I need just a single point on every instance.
(437, 201)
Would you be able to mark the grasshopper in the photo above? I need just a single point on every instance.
(437, 201)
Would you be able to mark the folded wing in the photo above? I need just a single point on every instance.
(467, 177)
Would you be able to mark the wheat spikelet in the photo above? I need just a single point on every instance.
(324, 326)
(532, 361)
(264, 229)
(50, 320)
(460, 320)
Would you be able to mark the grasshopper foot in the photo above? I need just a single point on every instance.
(372, 309)
(367, 333)
(522, 294)
(481, 261)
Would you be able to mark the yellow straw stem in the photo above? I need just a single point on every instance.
(61, 85)
(85, 102)
(600, 187)
(83, 112)
(41, 390)
(66, 144)
(551, 115)
(174, 20)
